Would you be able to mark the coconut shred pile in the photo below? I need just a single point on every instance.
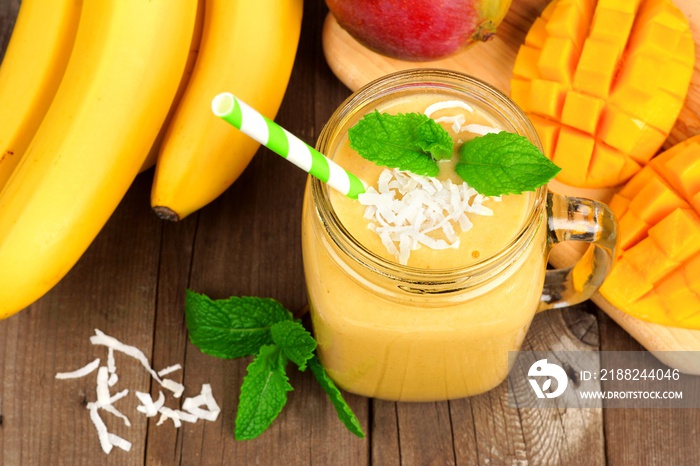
(408, 211)
(200, 407)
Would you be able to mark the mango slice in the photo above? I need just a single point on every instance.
(603, 82)
(657, 275)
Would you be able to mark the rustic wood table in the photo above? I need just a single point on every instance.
(131, 285)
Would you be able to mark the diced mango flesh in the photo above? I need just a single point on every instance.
(632, 230)
(683, 170)
(678, 234)
(548, 133)
(573, 141)
(691, 269)
(619, 205)
(557, 59)
(616, 70)
(655, 200)
(608, 165)
(657, 276)
(625, 285)
(582, 111)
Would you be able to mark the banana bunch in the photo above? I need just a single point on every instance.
(247, 48)
(92, 92)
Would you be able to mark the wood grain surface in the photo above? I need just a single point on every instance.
(131, 284)
(493, 61)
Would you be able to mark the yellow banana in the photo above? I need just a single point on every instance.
(31, 71)
(120, 81)
(189, 66)
(247, 48)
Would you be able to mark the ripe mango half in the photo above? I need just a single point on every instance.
(603, 82)
(657, 275)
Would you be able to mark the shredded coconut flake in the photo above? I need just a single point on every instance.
(102, 433)
(169, 369)
(102, 386)
(408, 211)
(111, 365)
(119, 442)
(175, 415)
(479, 129)
(446, 104)
(82, 372)
(110, 409)
(205, 398)
(148, 407)
(175, 387)
(107, 439)
(457, 121)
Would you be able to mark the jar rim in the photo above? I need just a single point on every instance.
(424, 78)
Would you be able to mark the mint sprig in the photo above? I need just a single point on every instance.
(243, 326)
(409, 141)
(503, 163)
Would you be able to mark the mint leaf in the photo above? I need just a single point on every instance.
(263, 393)
(431, 137)
(409, 141)
(296, 342)
(342, 408)
(234, 327)
(503, 163)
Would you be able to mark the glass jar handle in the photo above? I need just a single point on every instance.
(578, 219)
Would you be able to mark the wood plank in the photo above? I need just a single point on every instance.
(111, 288)
(647, 436)
(688, 123)
(386, 448)
(8, 14)
(164, 443)
(11, 331)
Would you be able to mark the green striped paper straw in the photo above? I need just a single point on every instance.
(282, 142)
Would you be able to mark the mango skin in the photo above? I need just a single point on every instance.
(603, 83)
(419, 30)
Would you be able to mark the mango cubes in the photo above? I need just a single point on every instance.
(657, 275)
(603, 83)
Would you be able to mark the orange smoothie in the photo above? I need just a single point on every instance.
(441, 325)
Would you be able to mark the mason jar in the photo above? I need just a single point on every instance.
(398, 332)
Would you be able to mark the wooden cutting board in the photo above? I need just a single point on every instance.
(492, 62)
